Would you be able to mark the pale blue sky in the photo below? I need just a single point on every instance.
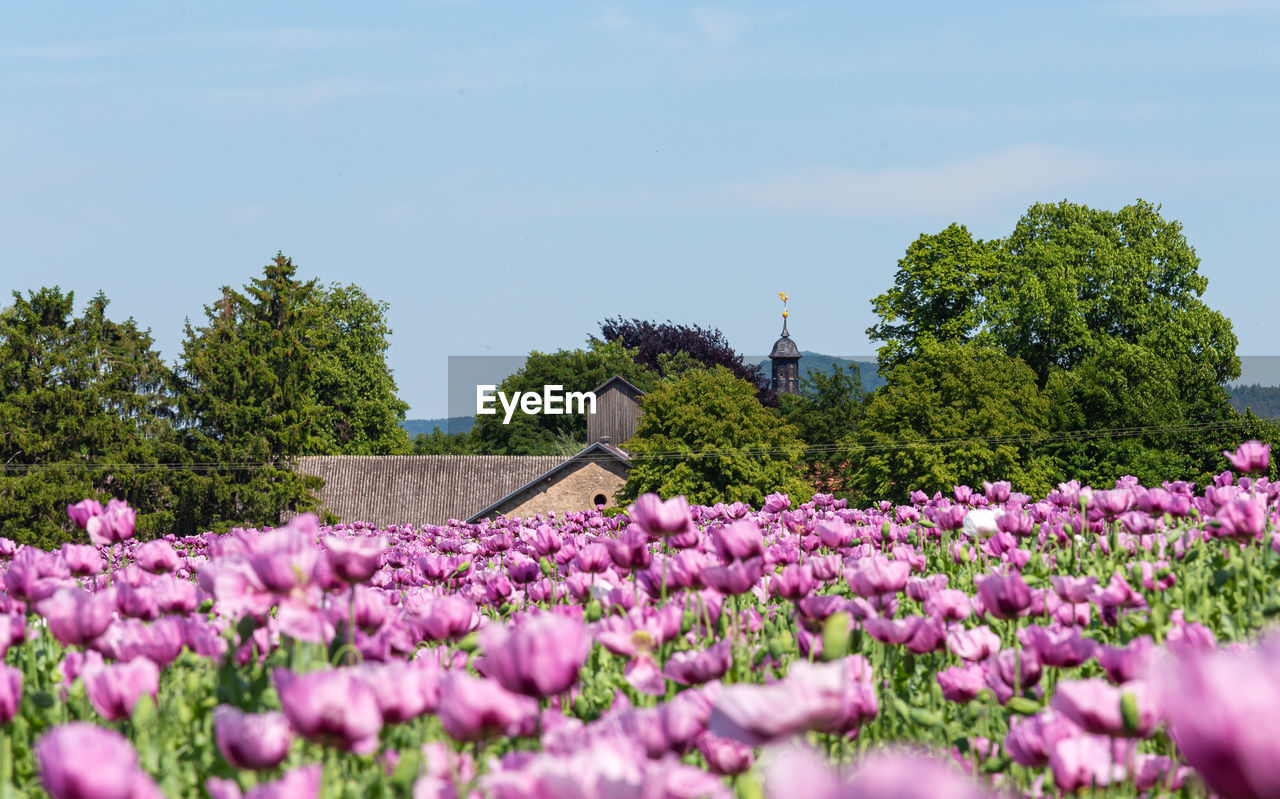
(508, 174)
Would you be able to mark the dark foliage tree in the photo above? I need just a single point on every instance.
(651, 340)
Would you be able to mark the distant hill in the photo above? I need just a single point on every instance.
(1262, 400)
(816, 361)
(452, 425)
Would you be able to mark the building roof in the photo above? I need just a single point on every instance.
(594, 451)
(419, 489)
(616, 379)
(784, 347)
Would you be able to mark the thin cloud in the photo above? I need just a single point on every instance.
(612, 18)
(51, 53)
(720, 25)
(727, 26)
(269, 39)
(977, 183)
(1196, 8)
(303, 97)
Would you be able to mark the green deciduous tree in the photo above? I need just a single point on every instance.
(1075, 277)
(351, 380)
(938, 294)
(1106, 309)
(953, 414)
(548, 434)
(86, 410)
(438, 442)
(826, 415)
(1129, 388)
(704, 434)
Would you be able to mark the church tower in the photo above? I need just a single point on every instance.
(785, 358)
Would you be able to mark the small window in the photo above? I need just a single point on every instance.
(600, 499)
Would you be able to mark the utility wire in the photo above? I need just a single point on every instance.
(1036, 438)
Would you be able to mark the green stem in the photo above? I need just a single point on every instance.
(6, 766)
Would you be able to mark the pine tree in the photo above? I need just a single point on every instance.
(245, 389)
(86, 410)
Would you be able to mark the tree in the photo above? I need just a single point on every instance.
(85, 411)
(704, 434)
(953, 414)
(351, 380)
(437, 442)
(938, 294)
(550, 434)
(826, 414)
(1074, 292)
(1066, 280)
(246, 389)
(650, 341)
(1076, 277)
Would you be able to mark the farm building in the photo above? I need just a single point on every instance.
(433, 489)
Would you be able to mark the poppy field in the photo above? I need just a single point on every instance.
(1100, 641)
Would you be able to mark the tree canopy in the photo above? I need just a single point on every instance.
(547, 434)
(1105, 308)
(939, 294)
(281, 369)
(85, 411)
(1075, 278)
(954, 413)
(650, 341)
(351, 379)
(704, 434)
(826, 414)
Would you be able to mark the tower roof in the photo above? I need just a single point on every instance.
(784, 347)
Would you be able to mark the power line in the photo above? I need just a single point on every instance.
(1035, 438)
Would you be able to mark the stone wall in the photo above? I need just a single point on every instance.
(574, 488)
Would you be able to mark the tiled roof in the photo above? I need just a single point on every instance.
(596, 451)
(419, 489)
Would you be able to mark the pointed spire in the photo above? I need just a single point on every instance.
(785, 357)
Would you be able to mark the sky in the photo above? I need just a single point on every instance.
(507, 175)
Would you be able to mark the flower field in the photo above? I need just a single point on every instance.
(1101, 641)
